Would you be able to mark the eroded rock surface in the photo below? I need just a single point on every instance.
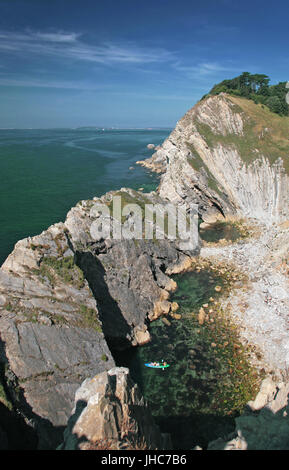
(110, 413)
(50, 333)
(204, 162)
(128, 278)
(63, 295)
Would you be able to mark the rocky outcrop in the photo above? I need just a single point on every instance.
(50, 333)
(63, 296)
(128, 278)
(230, 156)
(267, 427)
(156, 163)
(260, 308)
(222, 156)
(110, 413)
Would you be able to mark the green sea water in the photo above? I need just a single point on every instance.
(183, 397)
(46, 172)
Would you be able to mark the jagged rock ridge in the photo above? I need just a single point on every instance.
(63, 295)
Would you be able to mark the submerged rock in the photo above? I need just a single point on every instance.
(218, 288)
(266, 394)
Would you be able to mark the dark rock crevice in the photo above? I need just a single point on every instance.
(19, 423)
(114, 325)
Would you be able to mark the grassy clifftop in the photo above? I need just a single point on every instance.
(265, 133)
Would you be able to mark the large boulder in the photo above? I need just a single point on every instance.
(111, 414)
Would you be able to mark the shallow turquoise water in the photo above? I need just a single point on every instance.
(46, 172)
(182, 397)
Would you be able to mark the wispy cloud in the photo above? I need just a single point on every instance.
(45, 83)
(64, 48)
(58, 37)
(71, 45)
(206, 69)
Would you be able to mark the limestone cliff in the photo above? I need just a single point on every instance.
(63, 297)
(231, 157)
(50, 333)
(67, 300)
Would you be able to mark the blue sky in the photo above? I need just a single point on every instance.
(124, 63)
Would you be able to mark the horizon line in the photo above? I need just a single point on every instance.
(100, 128)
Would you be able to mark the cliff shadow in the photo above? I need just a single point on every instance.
(71, 440)
(40, 433)
(196, 429)
(115, 327)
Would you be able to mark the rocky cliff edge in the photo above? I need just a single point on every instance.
(231, 157)
(64, 297)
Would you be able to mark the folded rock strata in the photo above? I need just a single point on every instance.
(205, 161)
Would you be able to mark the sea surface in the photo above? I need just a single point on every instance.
(46, 172)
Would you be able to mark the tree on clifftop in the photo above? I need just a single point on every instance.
(256, 87)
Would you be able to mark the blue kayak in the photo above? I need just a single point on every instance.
(159, 366)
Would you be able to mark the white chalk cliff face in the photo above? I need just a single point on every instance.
(207, 162)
